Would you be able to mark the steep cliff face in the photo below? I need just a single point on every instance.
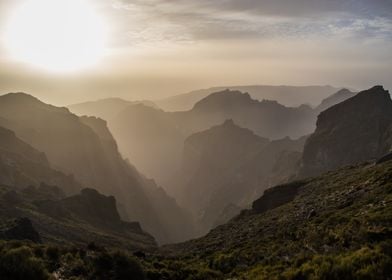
(356, 130)
(209, 157)
(85, 148)
(154, 207)
(21, 165)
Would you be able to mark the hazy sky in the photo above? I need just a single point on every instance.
(158, 48)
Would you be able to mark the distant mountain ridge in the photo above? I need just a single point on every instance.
(106, 108)
(291, 96)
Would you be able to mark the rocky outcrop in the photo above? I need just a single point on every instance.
(19, 229)
(91, 207)
(78, 219)
(276, 196)
(356, 130)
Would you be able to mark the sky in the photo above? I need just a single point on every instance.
(158, 48)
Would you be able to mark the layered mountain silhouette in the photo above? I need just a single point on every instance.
(106, 108)
(85, 148)
(316, 207)
(288, 95)
(153, 139)
(356, 130)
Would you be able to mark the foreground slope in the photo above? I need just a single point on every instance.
(335, 226)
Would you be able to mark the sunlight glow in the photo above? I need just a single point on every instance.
(57, 35)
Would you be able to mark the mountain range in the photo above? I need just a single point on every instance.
(291, 96)
(161, 144)
(152, 138)
(316, 207)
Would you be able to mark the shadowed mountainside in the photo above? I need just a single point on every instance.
(356, 130)
(229, 165)
(85, 148)
(22, 165)
(79, 219)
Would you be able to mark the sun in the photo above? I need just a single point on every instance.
(57, 35)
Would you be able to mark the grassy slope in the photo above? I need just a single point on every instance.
(339, 225)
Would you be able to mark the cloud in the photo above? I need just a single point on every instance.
(187, 21)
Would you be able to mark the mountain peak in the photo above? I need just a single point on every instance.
(229, 122)
(223, 98)
(21, 96)
(365, 119)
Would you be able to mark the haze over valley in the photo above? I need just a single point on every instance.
(180, 140)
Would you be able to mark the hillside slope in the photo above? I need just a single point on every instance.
(335, 226)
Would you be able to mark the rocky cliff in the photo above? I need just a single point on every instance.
(356, 130)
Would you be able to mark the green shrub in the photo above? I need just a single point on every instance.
(20, 264)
